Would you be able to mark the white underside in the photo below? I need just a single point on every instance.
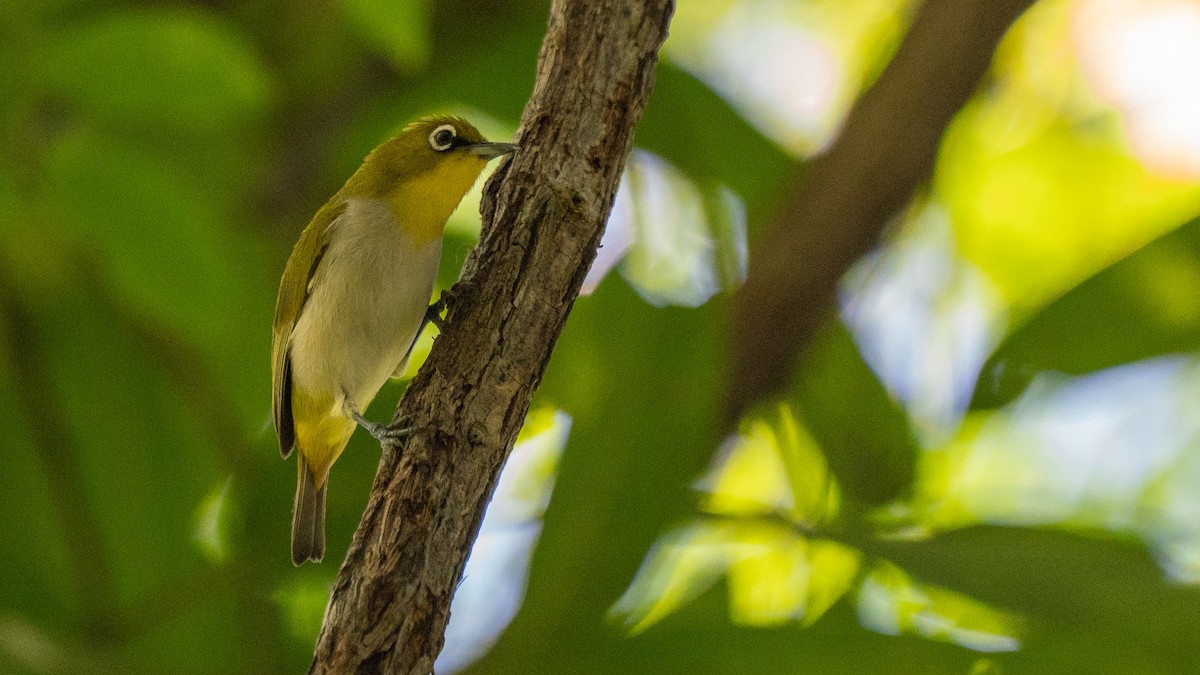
(353, 333)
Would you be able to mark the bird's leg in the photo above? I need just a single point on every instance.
(433, 315)
(384, 433)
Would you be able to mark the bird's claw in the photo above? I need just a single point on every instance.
(433, 315)
(447, 298)
(384, 433)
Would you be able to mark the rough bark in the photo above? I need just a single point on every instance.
(544, 213)
(836, 214)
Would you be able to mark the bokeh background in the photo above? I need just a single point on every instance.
(987, 462)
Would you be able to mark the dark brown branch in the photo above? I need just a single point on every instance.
(885, 152)
(544, 213)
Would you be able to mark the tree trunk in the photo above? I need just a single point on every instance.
(544, 213)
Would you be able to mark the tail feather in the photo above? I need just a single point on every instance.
(308, 517)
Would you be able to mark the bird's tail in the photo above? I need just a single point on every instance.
(308, 517)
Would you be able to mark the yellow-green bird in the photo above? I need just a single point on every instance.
(353, 299)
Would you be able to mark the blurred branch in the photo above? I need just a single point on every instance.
(217, 417)
(886, 150)
(32, 370)
(544, 213)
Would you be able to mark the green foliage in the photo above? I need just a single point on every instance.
(1088, 329)
(399, 30)
(215, 79)
(157, 162)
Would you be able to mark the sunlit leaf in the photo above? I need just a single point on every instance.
(834, 570)
(673, 257)
(1039, 186)
(890, 602)
(523, 490)
(212, 527)
(1088, 329)
(749, 477)
(682, 565)
(775, 574)
(814, 491)
(772, 466)
(769, 577)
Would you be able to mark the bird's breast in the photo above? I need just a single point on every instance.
(366, 303)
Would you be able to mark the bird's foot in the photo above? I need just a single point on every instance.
(445, 301)
(433, 315)
(384, 433)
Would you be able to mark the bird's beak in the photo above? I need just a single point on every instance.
(490, 150)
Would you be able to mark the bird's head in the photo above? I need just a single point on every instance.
(444, 150)
(424, 172)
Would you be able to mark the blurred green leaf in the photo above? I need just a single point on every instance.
(1156, 289)
(683, 564)
(200, 639)
(891, 603)
(727, 219)
(1037, 174)
(47, 594)
(144, 472)
(162, 243)
(774, 574)
(26, 647)
(1066, 584)
(398, 28)
(174, 69)
(837, 391)
(211, 532)
(302, 600)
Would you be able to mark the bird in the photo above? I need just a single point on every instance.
(354, 297)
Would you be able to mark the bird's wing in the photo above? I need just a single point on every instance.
(293, 291)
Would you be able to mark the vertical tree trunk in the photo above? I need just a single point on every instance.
(544, 213)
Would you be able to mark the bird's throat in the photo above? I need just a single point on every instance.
(424, 203)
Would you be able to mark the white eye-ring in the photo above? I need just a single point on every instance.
(442, 137)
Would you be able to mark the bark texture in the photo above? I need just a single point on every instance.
(544, 213)
(836, 214)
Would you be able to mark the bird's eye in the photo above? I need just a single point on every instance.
(442, 137)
